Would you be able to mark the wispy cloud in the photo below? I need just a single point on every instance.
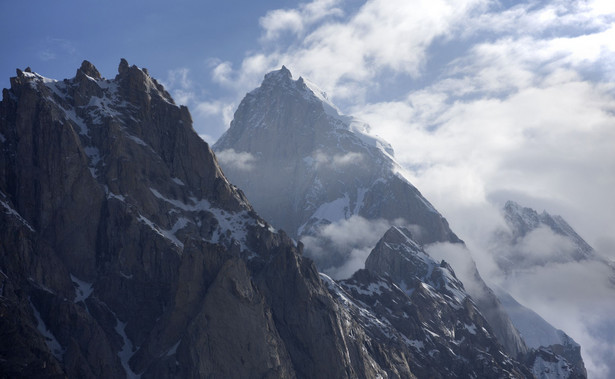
(55, 48)
(295, 21)
(336, 161)
(342, 247)
(180, 85)
(238, 160)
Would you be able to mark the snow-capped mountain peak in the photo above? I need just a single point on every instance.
(525, 223)
(312, 166)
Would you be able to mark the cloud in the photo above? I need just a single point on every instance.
(543, 245)
(56, 47)
(179, 84)
(295, 21)
(341, 248)
(336, 161)
(238, 160)
(222, 109)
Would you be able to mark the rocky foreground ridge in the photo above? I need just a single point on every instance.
(125, 252)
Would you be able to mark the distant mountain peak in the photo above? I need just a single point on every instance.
(88, 69)
(278, 75)
(524, 220)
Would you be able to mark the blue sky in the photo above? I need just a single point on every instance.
(161, 35)
(482, 100)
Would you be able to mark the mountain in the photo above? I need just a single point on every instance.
(329, 165)
(125, 252)
(401, 260)
(526, 236)
(554, 350)
(323, 178)
(548, 266)
(427, 311)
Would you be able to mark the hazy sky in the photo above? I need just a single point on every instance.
(483, 101)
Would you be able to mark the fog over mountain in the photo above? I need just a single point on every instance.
(576, 283)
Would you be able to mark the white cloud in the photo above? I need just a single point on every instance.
(180, 86)
(341, 248)
(56, 48)
(238, 160)
(216, 108)
(338, 160)
(279, 20)
(295, 21)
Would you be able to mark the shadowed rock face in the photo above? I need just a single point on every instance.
(124, 250)
(311, 166)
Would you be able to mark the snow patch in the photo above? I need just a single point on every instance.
(50, 340)
(10, 211)
(137, 140)
(173, 350)
(83, 289)
(333, 211)
(178, 181)
(127, 350)
(471, 328)
(72, 116)
(198, 205)
(168, 234)
(547, 369)
(231, 225)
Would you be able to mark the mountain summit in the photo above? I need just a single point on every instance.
(310, 166)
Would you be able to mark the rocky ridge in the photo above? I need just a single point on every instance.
(125, 252)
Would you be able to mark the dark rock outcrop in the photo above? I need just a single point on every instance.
(124, 250)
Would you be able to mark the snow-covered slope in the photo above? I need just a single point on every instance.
(555, 350)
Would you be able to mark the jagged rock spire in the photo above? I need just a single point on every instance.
(89, 69)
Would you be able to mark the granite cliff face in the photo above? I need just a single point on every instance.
(124, 251)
